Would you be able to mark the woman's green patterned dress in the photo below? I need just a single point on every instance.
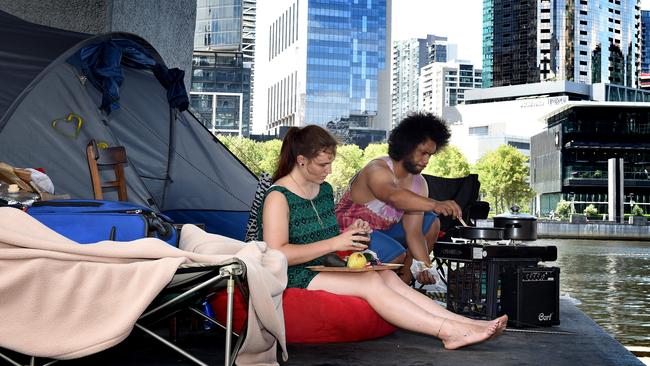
(305, 228)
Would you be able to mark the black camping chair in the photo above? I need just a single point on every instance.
(190, 287)
(465, 191)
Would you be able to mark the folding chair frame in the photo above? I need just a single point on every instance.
(208, 280)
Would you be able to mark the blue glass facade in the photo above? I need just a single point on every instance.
(218, 24)
(346, 49)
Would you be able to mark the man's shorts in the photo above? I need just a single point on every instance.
(391, 243)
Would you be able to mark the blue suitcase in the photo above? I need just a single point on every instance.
(90, 221)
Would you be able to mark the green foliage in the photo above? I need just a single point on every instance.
(346, 165)
(504, 178)
(448, 163)
(563, 209)
(270, 152)
(246, 150)
(373, 151)
(637, 210)
(591, 210)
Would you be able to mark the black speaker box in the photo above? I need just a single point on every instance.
(531, 296)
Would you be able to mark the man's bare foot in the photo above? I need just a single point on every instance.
(455, 334)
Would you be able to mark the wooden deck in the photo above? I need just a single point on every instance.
(588, 344)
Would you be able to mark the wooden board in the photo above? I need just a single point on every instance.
(353, 270)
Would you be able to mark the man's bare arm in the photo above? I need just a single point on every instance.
(380, 180)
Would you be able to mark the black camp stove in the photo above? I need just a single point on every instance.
(486, 279)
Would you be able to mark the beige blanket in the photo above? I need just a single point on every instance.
(62, 300)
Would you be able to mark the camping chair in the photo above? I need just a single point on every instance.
(113, 157)
(465, 191)
(191, 285)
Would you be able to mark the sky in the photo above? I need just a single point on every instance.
(459, 20)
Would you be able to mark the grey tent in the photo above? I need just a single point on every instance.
(49, 111)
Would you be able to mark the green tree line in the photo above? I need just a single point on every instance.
(503, 173)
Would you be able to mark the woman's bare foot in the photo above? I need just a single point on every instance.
(501, 323)
(455, 334)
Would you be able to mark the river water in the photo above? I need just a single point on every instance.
(612, 281)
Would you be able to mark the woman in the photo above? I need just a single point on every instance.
(298, 219)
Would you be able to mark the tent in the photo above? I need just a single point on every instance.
(52, 104)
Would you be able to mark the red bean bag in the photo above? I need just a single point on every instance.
(315, 316)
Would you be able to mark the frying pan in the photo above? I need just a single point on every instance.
(485, 233)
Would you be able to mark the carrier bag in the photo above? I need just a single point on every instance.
(90, 221)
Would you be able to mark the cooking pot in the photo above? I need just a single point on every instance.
(485, 233)
(517, 226)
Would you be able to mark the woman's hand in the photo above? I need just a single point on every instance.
(361, 226)
(355, 237)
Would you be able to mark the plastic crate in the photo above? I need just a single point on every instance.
(474, 287)
(467, 288)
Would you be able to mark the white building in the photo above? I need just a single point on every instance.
(409, 56)
(443, 85)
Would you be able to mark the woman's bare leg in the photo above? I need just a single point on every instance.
(399, 310)
(395, 283)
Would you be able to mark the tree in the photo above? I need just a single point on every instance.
(347, 164)
(563, 209)
(503, 174)
(271, 151)
(591, 211)
(448, 163)
(373, 151)
(246, 150)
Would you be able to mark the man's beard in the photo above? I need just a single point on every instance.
(411, 167)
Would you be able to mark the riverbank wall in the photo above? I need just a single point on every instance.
(592, 230)
(597, 230)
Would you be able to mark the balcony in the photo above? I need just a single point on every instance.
(598, 178)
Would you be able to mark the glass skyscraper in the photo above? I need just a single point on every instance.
(585, 41)
(223, 64)
(645, 41)
(323, 61)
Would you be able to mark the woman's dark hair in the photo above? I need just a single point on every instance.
(414, 130)
(307, 141)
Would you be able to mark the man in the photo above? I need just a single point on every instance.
(392, 195)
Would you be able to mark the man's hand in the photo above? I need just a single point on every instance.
(447, 208)
(425, 278)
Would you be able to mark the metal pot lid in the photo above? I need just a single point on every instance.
(515, 214)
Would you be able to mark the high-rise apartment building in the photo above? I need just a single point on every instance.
(645, 41)
(584, 41)
(409, 56)
(223, 64)
(322, 61)
(443, 85)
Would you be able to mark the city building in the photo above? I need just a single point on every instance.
(224, 64)
(443, 85)
(527, 41)
(321, 61)
(221, 89)
(645, 41)
(569, 159)
(409, 56)
(513, 114)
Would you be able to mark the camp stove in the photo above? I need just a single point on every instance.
(489, 278)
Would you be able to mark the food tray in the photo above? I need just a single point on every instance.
(352, 270)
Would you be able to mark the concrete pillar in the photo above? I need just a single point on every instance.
(167, 24)
(615, 184)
